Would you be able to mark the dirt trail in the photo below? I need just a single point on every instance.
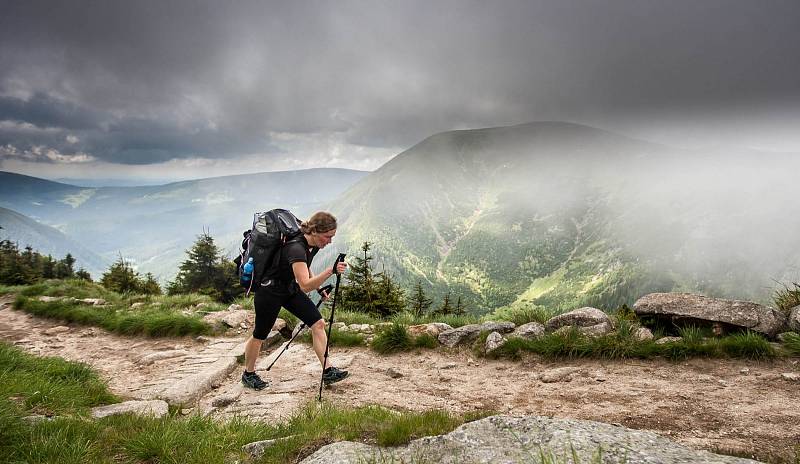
(725, 405)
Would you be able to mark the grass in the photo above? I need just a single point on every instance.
(338, 338)
(788, 297)
(623, 345)
(30, 385)
(154, 321)
(395, 338)
(791, 342)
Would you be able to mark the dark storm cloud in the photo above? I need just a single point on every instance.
(148, 81)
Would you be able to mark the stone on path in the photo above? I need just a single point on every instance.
(502, 439)
(560, 374)
(153, 357)
(155, 408)
(56, 330)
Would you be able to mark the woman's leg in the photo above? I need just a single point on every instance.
(267, 307)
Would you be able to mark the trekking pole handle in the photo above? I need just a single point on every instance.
(339, 259)
(326, 289)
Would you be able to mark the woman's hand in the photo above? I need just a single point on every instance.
(339, 268)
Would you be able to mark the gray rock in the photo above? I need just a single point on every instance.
(794, 319)
(236, 318)
(643, 334)
(582, 317)
(256, 449)
(36, 418)
(94, 301)
(155, 408)
(153, 357)
(494, 341)
(501, 439)
(433, 329)
(224, 400)
(460, 335)
(744, 314)
(791, 376)
(560, 374)
(529, 331)
(232, 307)
(665, 340)
(56, 330)
(391, 372)
(502, 327)
(137, 305)
(273, 338)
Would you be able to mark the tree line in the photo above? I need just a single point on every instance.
(208, 271)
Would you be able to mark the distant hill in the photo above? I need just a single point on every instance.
(154, 225)
(48, 241)
(561, 215)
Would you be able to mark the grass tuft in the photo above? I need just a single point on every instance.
(748, 345)
(392, 339)
(787, 298)
(791, 341)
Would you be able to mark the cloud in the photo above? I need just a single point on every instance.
(43, 154)
(147, 82)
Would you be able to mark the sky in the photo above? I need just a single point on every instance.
(159, 91)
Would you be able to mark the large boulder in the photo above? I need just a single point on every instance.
(590, 321)
(794, 319)
(502, 439)
(494, 341)
(677, 307)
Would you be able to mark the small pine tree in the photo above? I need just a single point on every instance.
(206, 271)
(419, 303)
(390, 296)
(446, 307)
(460, 309)
(83, 274)
(149, 285)
(121, 277)
(359, 293)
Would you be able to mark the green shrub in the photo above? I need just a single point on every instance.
(392, 339)
(747, 345)
(425, 341)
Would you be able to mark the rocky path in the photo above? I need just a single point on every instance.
(726, 405)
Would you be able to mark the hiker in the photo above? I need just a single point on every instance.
(288, 289)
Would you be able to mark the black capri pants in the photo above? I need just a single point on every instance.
(268, 301)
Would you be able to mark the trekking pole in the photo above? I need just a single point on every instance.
(325, 289)
(340, 259)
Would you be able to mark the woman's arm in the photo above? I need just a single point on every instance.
(302, 275)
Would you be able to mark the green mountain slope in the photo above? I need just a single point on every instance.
(47, 240)
(560, 215)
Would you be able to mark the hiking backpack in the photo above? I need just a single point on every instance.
(263, 242)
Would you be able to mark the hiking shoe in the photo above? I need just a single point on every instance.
(252, 380)
(333, 375)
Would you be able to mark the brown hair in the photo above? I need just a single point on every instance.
(319, 222)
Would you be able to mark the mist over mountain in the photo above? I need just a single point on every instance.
(560, 215)
(154, 225)
(48, 241)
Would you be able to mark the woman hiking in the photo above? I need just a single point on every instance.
(288, 289)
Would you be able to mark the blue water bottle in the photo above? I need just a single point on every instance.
(247, 271)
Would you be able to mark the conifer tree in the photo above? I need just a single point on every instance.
(206, 271)
(460, 309)
(390, 296)
(419, 303)
(121, 277)
(83, 274)
(149, 285)
(359, 294)
(446, 307)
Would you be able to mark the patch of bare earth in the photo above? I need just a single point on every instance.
(734, 406)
